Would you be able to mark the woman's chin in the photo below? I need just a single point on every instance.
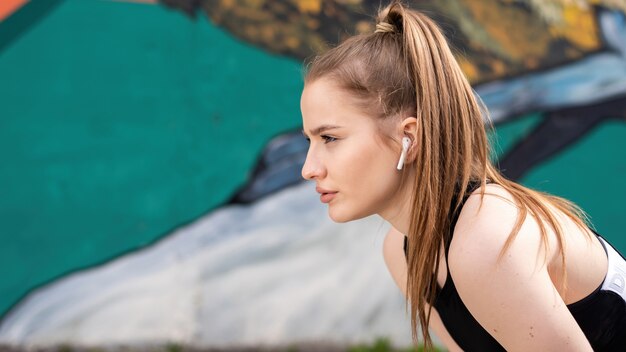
(342, 217)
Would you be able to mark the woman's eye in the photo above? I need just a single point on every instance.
(328, 139)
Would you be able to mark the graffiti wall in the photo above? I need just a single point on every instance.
(150, 177)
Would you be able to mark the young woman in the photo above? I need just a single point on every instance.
(489, 265)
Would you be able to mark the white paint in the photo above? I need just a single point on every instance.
(276, 272)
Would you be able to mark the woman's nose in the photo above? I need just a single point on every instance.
(312, 168)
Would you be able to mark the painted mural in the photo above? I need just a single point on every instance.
(522, 56)
(151, 189)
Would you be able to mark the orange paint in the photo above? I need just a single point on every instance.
(7, 7)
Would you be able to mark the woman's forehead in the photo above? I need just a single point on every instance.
(322, 91)
(323, 103)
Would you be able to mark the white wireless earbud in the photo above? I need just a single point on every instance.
(406, 143)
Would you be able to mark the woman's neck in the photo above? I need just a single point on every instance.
(398, 210)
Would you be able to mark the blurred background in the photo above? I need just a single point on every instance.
(150, 190)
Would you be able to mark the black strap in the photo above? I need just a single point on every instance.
(471, 187)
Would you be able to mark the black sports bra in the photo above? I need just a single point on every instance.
(601, 315)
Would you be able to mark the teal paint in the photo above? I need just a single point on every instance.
(590, 172)
(504, 136)
(119, 123)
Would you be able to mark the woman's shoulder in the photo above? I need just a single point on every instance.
(485, 224)
(509, 292)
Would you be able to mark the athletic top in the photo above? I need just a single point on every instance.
(601, 315)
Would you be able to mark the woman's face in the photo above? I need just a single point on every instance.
(354, 171)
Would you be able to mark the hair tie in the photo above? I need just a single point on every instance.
(385, 27)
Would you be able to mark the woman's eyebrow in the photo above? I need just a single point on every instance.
(321, 129)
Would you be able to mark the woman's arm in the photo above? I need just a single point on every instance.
(513, 298)
(396, 263)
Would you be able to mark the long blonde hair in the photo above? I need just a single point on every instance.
(406, 67)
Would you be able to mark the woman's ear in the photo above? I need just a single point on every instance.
(409, 128)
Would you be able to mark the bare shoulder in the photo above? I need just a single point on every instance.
(484, 226)
(511, 296)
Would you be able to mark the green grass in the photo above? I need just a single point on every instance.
(384, 345)
(381, 344)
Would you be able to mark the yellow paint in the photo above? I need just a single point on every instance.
(498, 67)
(251, 33)
(268, 33)
(364, 27)
(227, 3)
(468, 68)
(250, 15)
(309, 6)
(317, 44)
(579, 27)
(313, 23)
(292, 42)
(531, 63)
(254, 4)
(508, 31)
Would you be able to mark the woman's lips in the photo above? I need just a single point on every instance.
(327, 197)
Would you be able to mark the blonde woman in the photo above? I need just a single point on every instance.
(487, 264)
